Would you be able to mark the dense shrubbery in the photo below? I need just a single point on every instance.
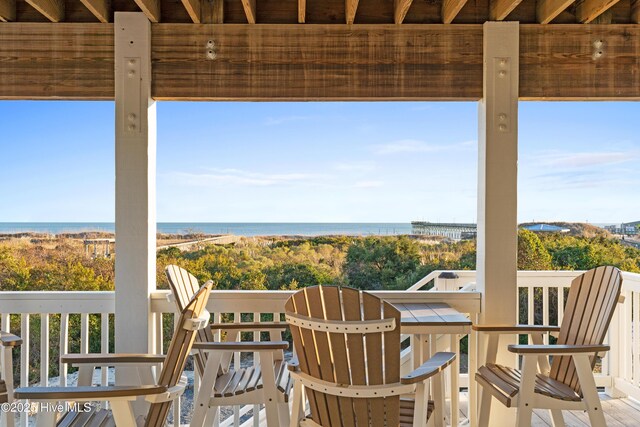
(362, 262)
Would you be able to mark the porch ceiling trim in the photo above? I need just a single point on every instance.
(320, 62)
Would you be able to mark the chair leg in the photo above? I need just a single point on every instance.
(526, 395)
(556, 417)
(589, 390)
(207, 383)
(123, 414)
(421, 406)
(213, 416)
(269, 389)
(45, 419)
(485, 409)
(439, 400)
(284, 414)
(297, 413)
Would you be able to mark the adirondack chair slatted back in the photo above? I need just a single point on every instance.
(184, 285)
(347, 358)
(177, 354)
(587, 314)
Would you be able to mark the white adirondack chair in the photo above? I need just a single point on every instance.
(221, 384)
(160, 395)
(567, 383)
(348, 348)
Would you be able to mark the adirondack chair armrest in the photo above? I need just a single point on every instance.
(111, 358)
(434, 365)
(9, 340)
(87, 393)
(293, 364)
(557, 349)
(515, 329)
(250, 326)
(248, 346)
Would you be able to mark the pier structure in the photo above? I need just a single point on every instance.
(454, 231)
(101, 247)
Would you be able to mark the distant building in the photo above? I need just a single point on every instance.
(545, 228)
(628, 229)
(453, 231)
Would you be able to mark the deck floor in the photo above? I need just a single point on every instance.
(617, 412)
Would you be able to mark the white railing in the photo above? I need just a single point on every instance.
(42, 317)
(625, 339)
(20, 309)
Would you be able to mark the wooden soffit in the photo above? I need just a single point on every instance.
(319, 62)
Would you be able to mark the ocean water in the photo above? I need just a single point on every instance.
(236, 228)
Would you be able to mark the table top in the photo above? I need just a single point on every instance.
(430, 314)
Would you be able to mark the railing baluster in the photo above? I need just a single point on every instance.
(159, 342)
(256, 362)
(625, 351)
(44, 349)
(560, 304)
(545, 312)
(636, 338)
(159, 333)
(84, 333)
(6, 327)
(24, 361)
(104, 345)
(237, 318)
(217, 337)
(176, 403)
(530, 308)
(64, 347)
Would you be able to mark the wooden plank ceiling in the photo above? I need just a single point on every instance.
(327, 11)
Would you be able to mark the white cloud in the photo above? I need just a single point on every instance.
(418, 146)
(218, 177)
(586, 159)
(368, 184)
(355, 166)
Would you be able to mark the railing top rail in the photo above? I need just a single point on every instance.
(270, 301)
(34, 302)
(249, 301)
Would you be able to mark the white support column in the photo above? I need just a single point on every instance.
(135, 183)
(497, 188)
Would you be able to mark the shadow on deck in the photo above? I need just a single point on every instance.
(618, 413)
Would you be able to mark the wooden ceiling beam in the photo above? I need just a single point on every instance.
(52, 9)
(7, 10)
(151, 8)
(351, 6)
(101, 9)
(500, 9)
(547, 10)
(450, 9)
(320, 62)
(194, 9)
(250, 10)
(302, 11)
(589, 10)
(635, 11)
(400, 9)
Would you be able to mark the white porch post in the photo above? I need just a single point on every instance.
(135, 183)
(497, 188)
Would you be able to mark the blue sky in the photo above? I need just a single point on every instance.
(320, 162)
